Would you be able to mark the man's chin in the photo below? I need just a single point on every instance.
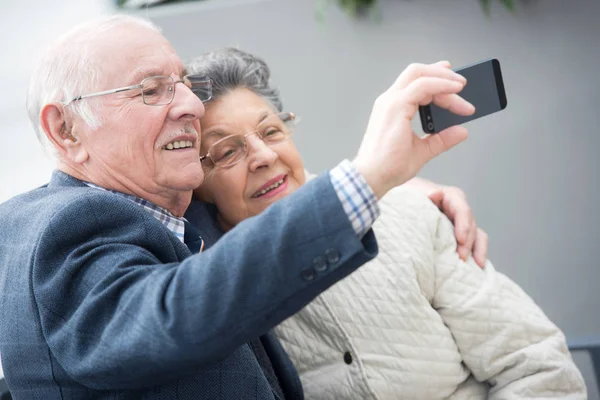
(185, 180)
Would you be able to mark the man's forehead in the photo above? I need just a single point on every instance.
(139, 68)
(143, 54)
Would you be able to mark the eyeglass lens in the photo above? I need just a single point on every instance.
(233, 148)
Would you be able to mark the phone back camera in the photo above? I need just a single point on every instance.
(430, 126)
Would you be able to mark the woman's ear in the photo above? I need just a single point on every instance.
(59, 132)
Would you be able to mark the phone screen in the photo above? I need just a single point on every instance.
(484, 89)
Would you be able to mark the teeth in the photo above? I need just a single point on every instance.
(273, 186)
(180, 144)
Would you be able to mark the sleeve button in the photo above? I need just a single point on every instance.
(332, 256)
(308, 274)
(319, 264)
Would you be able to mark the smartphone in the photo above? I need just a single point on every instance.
(484, 89)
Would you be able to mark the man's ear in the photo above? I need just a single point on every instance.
(59, 132)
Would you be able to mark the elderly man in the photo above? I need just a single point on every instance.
(106, 292)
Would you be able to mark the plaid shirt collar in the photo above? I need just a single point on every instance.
(171, 222)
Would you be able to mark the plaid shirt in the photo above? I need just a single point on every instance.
(357, 198)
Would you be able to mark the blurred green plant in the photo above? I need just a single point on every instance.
(358, 8)
(355, 8)
(509, 4)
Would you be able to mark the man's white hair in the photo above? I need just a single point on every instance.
(71, 68)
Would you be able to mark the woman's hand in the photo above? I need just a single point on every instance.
(452, 201)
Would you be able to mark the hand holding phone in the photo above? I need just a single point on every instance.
(391, 152)
(484, 89)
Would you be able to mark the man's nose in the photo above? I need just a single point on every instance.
(185, 105)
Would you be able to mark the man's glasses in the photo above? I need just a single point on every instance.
(160, 90)
(232, 149)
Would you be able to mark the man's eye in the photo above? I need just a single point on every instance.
(272, 132)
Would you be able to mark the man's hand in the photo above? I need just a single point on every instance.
(452, 201)
(391, 153)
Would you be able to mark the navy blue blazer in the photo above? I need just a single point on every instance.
(100, 301)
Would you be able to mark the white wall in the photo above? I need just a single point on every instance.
(26, 28)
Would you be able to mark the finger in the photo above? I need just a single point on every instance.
(462, 219)
(423, 91)
(454, 103)
(437, 198)
(467, 246)
(444, 63)
(416, 71)
(430, 146)
(480, 247)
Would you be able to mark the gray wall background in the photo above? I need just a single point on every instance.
(531, 173)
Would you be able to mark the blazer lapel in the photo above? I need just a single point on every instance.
(285, 370)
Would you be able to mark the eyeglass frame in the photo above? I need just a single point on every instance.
(207, 155)
(140, 86)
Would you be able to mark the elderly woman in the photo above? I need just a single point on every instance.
(415, 323)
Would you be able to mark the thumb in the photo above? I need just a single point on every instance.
(435, 144)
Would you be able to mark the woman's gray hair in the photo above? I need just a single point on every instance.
(230, 68)
(71, 68)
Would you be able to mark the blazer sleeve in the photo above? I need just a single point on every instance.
(503, 336)
(119, 310)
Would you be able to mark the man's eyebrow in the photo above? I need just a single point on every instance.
(263, 116)
(143, 73)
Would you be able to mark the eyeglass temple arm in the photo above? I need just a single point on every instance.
(104, 92)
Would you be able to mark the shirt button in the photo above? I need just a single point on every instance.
(332, 256)
(319, 264)
(348, 358)
(308, 274)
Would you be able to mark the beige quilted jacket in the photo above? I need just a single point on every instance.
(419, 323)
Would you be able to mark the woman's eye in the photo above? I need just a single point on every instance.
(225, 154)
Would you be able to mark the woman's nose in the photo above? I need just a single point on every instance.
(259, 154)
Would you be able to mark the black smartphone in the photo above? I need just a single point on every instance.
(484, 89)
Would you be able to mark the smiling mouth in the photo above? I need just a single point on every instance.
(179, 144)
(270, 188)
